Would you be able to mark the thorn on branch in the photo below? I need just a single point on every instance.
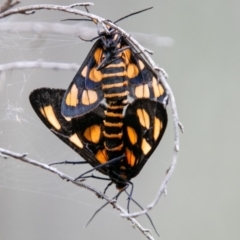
(149, 51)
(3, 156)
(28, 12)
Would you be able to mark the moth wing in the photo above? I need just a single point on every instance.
(145, 122)
(84, 93)
(143, 81)
(82, 134)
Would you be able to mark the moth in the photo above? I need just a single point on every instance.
(113, 114)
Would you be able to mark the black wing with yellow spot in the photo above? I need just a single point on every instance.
(85, 93)
(142, 80)
(83, 134)
(145, 122)
(111, 59)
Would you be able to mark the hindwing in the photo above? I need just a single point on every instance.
(145, 122)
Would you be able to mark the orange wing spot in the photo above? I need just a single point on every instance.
(50, 115)
(75, 140)
(84, 71)
(89, 97)
(130, 157)
(132, 70)
(157, 128)
(72, 96)
(101, 156)
(126, 56)
(142, 91)
(145, 146)
(95, 75)
(132, 135)
(98, 55)
(141, 64)
(93, 133)
(143, 117)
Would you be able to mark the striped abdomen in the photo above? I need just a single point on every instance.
(115, 92)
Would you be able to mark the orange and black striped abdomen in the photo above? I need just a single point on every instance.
(114, 85)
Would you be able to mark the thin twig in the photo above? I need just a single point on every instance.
(39, 64)
(23, 157)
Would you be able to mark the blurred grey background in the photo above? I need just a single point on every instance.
(204, 68)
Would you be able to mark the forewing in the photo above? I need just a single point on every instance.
(83, 134)
(143, 82)
(84, 93)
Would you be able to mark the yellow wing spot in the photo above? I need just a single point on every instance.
(84, 71)
(67, 118)
(142, 91)
(115, 38)
(143, 117)
(89, 97)
(75, 140)
(51, 117)
(160, 88)
(42, 112)
(157, 128)
(141, 64)
(145, 146)
(130, 157)
(92, 134)
(132, 70)
(95, 75)
(72, 96)
(132, 135)
(157, 88)
(101, 156)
